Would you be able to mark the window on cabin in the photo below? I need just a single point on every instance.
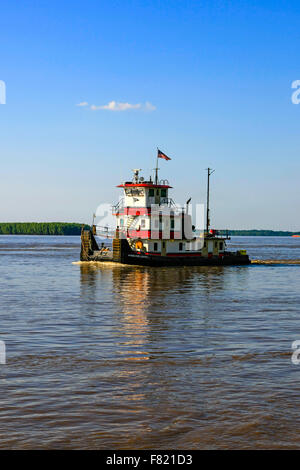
(143, 223)
(163, 193)
(155, 246)
(180, 246)
(172, 223)
(137, 192)
(221, 246)
(164, 245)
(151, 192)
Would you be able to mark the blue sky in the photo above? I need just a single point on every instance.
(218, 74)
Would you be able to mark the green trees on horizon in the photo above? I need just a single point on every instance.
(260, 233)
(39, 228)
(66, 228)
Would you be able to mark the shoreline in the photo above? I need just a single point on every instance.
(74, 229)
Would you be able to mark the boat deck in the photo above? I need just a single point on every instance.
(101, 255)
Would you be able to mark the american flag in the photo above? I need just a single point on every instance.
(161, 154)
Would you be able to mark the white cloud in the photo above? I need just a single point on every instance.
(118, 106)
(149, 106)
(83, 103)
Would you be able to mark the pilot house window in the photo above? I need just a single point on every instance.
(151, 192)
(155, 246)
(163, 193)
(180, 246)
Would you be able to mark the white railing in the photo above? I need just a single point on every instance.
(119, 207)
(105, 231)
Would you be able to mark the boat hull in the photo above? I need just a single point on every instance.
(122, 253)
(148, 260)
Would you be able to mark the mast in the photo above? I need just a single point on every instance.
(156, 169)
(209, 172)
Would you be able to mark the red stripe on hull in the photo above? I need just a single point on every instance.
(178, 255)
(146, 234)
(145, 211)
(134, 211)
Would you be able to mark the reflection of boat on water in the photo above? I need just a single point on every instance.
(153, 230)
(140, 291)
(141, 294)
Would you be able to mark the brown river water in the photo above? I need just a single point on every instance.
(124, 357)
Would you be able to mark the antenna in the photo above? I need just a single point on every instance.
(156, 169)
(187, 205)
(156, 175)
(209, 172)
(136, 175)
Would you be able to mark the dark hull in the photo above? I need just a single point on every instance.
(227, 260)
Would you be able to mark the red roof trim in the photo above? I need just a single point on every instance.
(143, 185)
(145, 211)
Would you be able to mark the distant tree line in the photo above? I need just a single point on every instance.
(64, 228)
(39, 228)
(259, 233)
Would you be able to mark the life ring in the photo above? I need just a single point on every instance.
(139, 245)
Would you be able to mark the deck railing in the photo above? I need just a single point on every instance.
(119, 207)
(164, 201)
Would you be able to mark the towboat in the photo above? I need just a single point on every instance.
(152, 230)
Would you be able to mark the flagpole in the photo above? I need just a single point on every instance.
(156, 169)
(209, 173)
